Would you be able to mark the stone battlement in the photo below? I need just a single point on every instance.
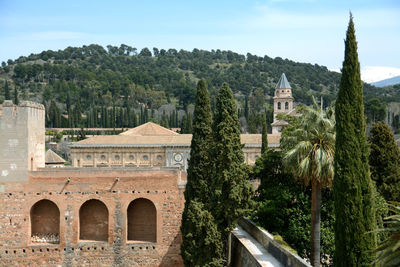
(30, 104)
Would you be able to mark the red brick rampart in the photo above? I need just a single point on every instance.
(156, 217)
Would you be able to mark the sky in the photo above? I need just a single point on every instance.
(304, 30)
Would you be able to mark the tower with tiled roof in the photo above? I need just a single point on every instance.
(283, 103)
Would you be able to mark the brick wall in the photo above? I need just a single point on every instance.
(69, 189)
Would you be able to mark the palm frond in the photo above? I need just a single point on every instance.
(389, 249)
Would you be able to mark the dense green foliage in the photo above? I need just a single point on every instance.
(201, 241)
(384, 160)
(201, 244)
(375, 110)
(389, 250)
(116, 84)
(353, 188)
(311, 161)
(231, 191)
(285, 207)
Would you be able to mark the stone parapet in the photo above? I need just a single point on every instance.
(254, 247)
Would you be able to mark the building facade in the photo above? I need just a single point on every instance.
(150, 145)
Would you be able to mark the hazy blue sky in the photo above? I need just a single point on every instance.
(305, 31)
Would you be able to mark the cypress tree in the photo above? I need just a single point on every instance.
(201, 241)
(264, 137)
(353, 189)
(246, 108)
(231, 192)
(384, 161)
(7, 92)
(16, 100)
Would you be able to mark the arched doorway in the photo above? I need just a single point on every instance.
(93, 221)
(45, 222)
(142, 220)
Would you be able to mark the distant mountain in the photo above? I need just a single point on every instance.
(387, 82)
(110, 82)
(372, 74)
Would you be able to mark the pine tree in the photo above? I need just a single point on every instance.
(201, 241)
(231, 192)
(264, 137)
(384, 160)
(7, 91)
(353, 189)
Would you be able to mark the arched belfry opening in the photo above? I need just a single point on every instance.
(93, 221)
(142, 221)
(45, 222)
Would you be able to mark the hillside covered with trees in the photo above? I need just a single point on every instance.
(92, 86)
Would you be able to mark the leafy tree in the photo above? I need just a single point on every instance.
(375, 110)
(311, 161)
(384, 160)
(201, 240)
(145, 52)
(285, 207)
(258, 99)
(353, 188)
(231, 192)
(6, 91)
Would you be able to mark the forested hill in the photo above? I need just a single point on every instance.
(92, 78)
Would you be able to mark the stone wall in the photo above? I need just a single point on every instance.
(21, 140)
(254, 247)
(21, 222)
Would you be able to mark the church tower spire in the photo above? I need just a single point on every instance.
(283, 102)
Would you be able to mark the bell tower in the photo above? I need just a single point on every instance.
(283, 102)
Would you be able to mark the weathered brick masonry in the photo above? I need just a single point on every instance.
(149, 191)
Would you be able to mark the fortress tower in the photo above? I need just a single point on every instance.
(283, 103)
(21, 140)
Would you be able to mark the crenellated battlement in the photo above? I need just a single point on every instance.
(31, 104)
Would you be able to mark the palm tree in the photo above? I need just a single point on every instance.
(310, 159)
(389, 249)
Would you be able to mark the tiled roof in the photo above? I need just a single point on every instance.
(179, 139)
(149, 129)
(283, 83)
(51, 157)
(154, 134)
(279, 123)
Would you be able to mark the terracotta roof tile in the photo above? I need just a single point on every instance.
(52, 157)
(149, 129)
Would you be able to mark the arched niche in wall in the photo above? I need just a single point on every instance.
(45, 222)
(93, 221)
(142, 221)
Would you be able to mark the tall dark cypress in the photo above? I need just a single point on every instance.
(7, 91)
(201, 241)
(353, 189)
(231, 191)
(16, 100)
(264, 137)
(384, 161)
